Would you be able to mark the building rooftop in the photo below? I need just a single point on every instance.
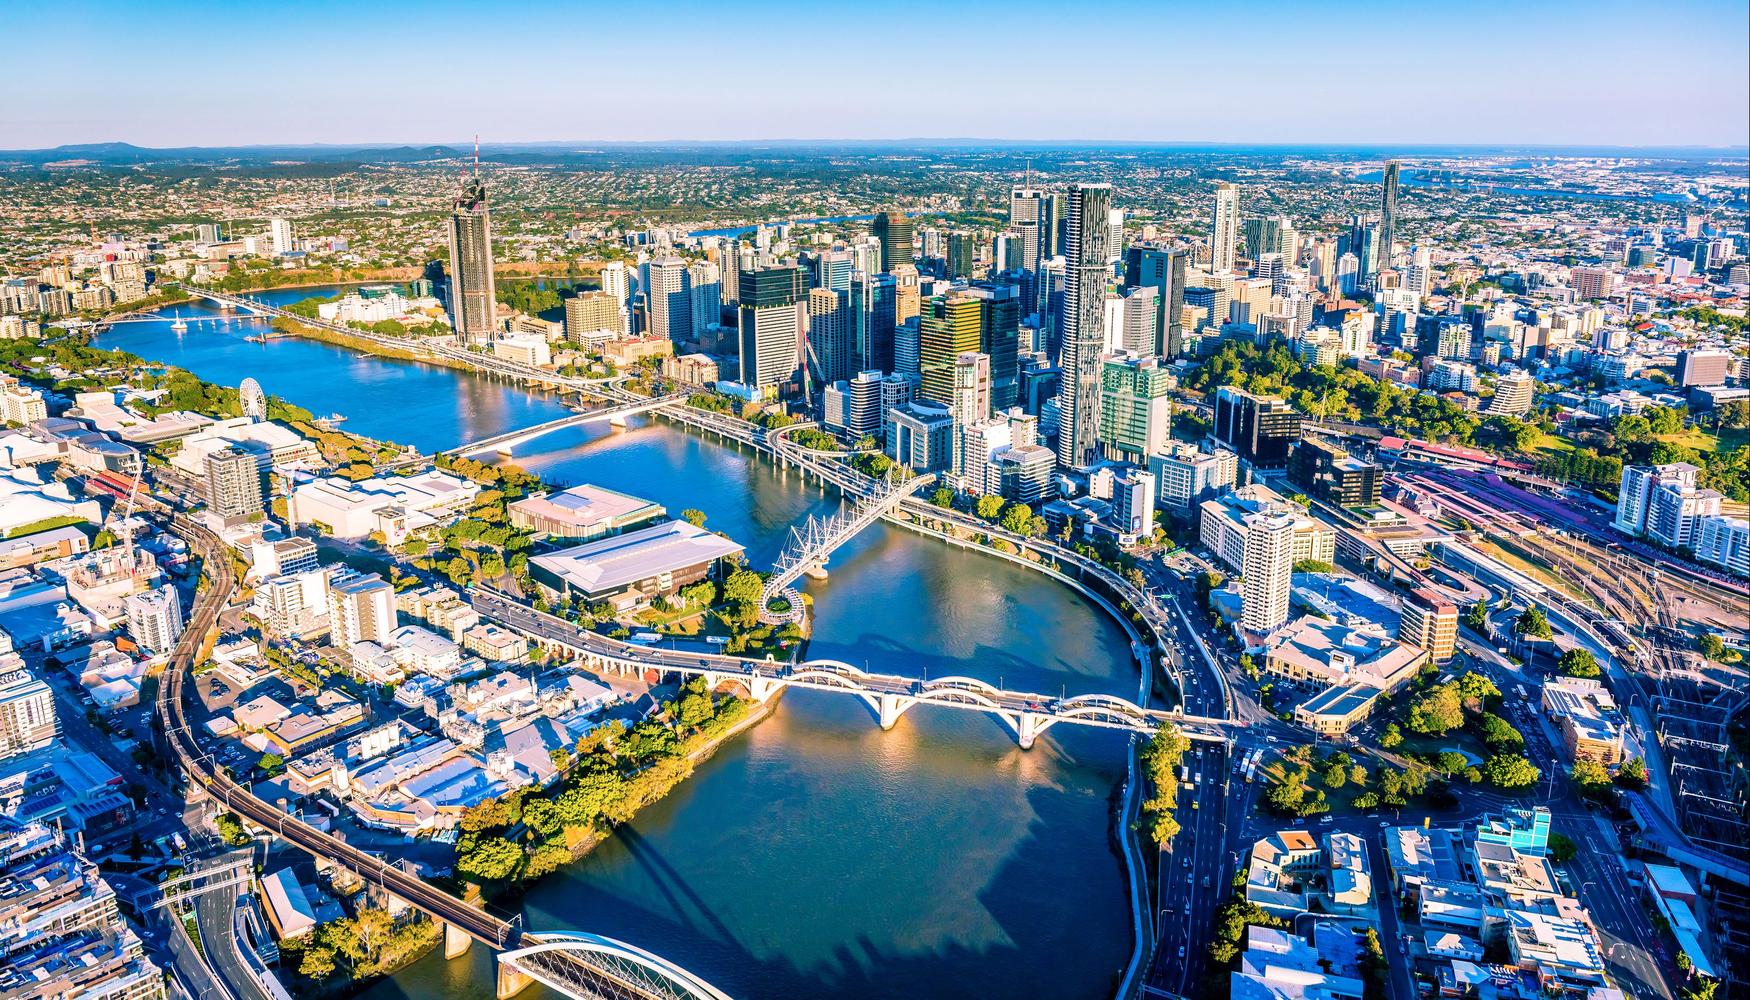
(612, 563)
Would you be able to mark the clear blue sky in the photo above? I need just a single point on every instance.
(1481, 71)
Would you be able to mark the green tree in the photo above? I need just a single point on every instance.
(1436, 711)
(989, 507)
(1711, 646)
(492, 859)
(694, 517)
(1532, 622)
(1392, 737)
(1497, 732)
(318, 963)
(1510, 771)
(1017, 517)
(1476, 617)
(1592, 777)
(1578, 662)
(942, 497)
(1562, 848)
(1632, 773)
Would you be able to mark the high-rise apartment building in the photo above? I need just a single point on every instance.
(155, 619)
(771, 325)
(1634, 496)
(1135, 411)
(1139, 317)
(1388, 212)
(361, 607)
(594, 315)
(473, 297)
(1513, 394)
(896, 233)
(279, 231)
(27, 712)
(1267, 572)
(236, 484)
(1086, 269)
(1224, 228)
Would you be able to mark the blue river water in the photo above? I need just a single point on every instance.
(815, 854)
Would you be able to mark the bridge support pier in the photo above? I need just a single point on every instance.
(1029, 727)
(510, 981)
(761, 688)
(617, 421)
(456, 941)
(890, 707)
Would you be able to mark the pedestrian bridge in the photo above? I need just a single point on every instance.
(811, 543)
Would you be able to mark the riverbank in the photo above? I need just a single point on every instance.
(293, 328)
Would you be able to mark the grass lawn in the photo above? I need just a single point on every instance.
(1700, 440)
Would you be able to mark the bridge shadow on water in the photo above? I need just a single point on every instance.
(1030, 943)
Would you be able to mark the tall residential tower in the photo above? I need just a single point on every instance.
(1086, 270)
(473, 301)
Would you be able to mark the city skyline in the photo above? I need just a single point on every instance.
(339, 96)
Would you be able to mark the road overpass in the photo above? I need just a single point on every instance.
(462, 921)
(616, 411)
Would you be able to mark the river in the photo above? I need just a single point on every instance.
(814, 855)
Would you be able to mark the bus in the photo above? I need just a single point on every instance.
(644, 638)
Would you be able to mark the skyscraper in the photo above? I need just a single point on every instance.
(1027, 211)
(473, 299)
(950, 325)
(999, 337)
(1224, 228)
(669, 299)
(1388, 211)
(829, 335)
(1084, 299)
(959, 255)
(872, 319)
(895, 232)
(771, 325)
(1157, 267)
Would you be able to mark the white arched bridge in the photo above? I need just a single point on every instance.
(590, 965)
(889, 696)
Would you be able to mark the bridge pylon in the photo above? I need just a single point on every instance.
(511, 981)
(889, 707)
